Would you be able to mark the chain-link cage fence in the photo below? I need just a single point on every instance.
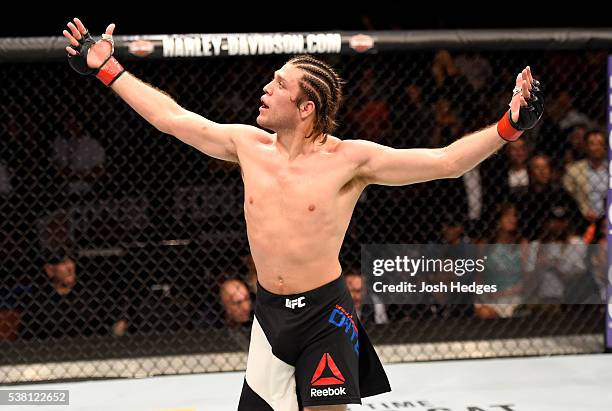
(117, 241)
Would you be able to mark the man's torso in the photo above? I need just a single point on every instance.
(297, 211)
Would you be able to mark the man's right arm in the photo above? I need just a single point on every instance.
(88, 56)
(159, 109)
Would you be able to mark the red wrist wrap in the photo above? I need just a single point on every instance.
(506, 130)
(110, 71)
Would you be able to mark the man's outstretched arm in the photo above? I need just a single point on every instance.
(378, 164)
(95, 57)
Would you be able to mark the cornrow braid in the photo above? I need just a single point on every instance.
(322, 85)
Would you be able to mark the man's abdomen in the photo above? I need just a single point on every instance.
(294, 260)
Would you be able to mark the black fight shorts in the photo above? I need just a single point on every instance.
(309, 349)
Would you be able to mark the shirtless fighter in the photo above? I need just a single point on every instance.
(308, 349)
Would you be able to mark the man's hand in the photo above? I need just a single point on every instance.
(526, 107)
(98, 52)
(88, 56)
(521, 92)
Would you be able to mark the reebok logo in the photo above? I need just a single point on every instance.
(327, 362)
(327, 392)
(298, 302)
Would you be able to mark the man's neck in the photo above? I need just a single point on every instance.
(505, 237)
(595, 163)
(62, 290)
(540, 187)
(294, 143)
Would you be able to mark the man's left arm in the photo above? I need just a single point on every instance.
(389, 166)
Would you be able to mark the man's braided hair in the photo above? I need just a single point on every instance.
(323, 86)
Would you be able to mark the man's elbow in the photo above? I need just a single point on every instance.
(452, 169)
(165, 124)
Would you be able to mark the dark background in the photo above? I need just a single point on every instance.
(266, 16)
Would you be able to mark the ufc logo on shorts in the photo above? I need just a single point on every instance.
(298, 302)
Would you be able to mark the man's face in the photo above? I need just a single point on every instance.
(509, 220)
(236, 301)
(278, 108)
(63, 274)
(517, 152)
(540, 170)
(596, 146)
(556, 226)
(576, 137)
(354, 284)
(451, 232)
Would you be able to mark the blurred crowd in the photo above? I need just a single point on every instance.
(83, 192)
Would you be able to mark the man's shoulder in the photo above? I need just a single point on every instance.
(577, 166)
(351, 146)
(248, 133)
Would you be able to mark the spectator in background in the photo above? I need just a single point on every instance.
(61, 306)
(449, 81)
(541, 196)
(574, 144)
(236, 303)
(563, 116)
(506, 257)
(412, 117)
(550, 136)
(368, 113)
(587, 180)
(598, 259)
(572, 116)
(453, 230)
(369, 308)
(558, 260)
(476, 69)
(517, 175)
(500, 179)
(79, 159)
(447, 123)
(448, 304)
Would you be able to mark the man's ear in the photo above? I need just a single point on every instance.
(48, 268)
(306, 109)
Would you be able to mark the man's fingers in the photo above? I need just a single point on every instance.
(71, 51)
(110, 29)
(515, 106)
(526, 78)
(519, 80)
(71, 39)
(75, 33)
(530, 77)
(80, 26)
(526, 93)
